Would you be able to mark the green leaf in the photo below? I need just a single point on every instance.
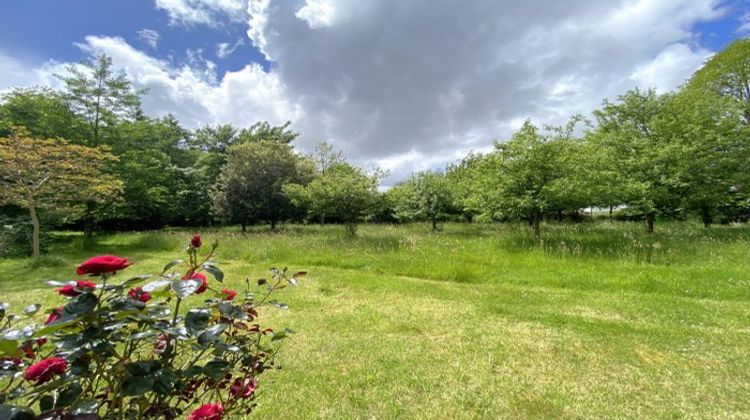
(212, 334)
(164, 381)
(157, 285)
(8, 347)
(196, 320)
(85, 407)
(80, 304)
(12, 412)
(214, 271)
(137, 385)
(46, 403)
(69, 395)
(185, 288)
(171, 264)
(31, 309)
(215, 368)
(281, 334)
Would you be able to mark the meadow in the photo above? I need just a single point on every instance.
(477, 321)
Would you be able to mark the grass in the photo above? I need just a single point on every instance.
(480, 321)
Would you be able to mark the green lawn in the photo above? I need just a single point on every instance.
(479, 321)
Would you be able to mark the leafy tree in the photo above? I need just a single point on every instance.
(643, 160)
(263, 131)
(727, 75)
(464, 182)
(343, 192)
(424, 196)
(525, 177)
(52, 174)
(102, 98)
(42, 111)
(249, 189)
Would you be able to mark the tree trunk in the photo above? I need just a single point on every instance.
(434, 224)
(273, 224)
(322, 219)
(610, 211)
(88, 220)
(706, 216)
(351, 228)
(530, 219)
(35, 232)
(650, 222)
(537, 228)
(244, 227)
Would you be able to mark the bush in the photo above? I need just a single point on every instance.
(124, 349)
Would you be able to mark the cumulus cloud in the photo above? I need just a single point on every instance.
(193, 93)
(149, 36)
(412, 85)
(206, 12)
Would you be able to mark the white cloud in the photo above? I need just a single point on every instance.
(411, 85)
(744, 23)
(225, 49)
(317, 13)
(241, 97)
(206, 12)
(257, 21)
(149, 36)
(670, 68)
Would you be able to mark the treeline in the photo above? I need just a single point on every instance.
(643, 156)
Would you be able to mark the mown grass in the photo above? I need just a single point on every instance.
(480, 321)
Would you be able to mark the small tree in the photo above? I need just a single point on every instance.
(343, 191)
(249, 189)
(426, 196)
(102, 98)
(47, 174)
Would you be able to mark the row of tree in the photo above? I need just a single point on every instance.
(87, 156)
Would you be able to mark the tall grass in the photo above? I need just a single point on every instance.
(480, 321)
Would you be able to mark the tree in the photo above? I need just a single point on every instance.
(727, 75)
(343, 191)
(710, 121)
(249, 188)
(643, 159)
(527, 177)
(263, 131)
(52, 174)
(425, 196)
(43, 112)
(102, 98)
(325, 156)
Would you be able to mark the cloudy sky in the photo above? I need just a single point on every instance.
(400, 84)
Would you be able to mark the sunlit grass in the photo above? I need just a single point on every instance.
(598, 320)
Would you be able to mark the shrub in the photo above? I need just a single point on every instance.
(124, 349)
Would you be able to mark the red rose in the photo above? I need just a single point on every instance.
(210, 411)
(43, 371)
(230, 294)
(73, 291)
(196, 241)
(54, 315)
(103, 264)
(202, 278)
(139, 294)
(243, 388)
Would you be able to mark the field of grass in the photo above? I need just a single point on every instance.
(479, 321)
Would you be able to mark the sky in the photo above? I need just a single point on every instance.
(403, 85)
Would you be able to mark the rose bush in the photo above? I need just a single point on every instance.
(126, 348)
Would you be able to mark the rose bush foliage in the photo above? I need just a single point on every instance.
(124, 348)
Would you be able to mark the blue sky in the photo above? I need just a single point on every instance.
(39, 37)
(403, 85)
